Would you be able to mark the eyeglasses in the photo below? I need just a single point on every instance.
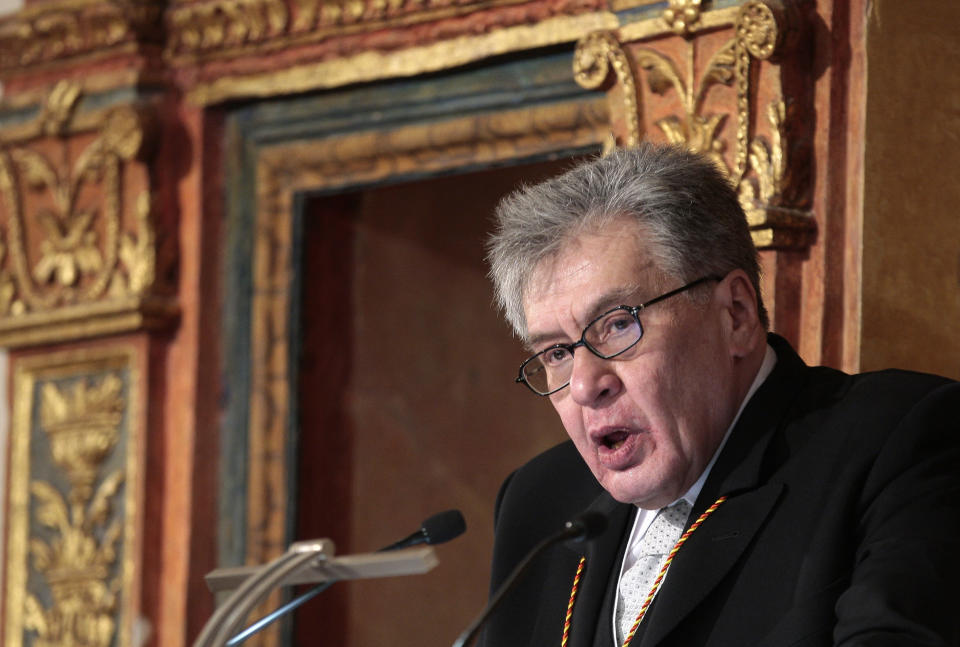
(614, 332)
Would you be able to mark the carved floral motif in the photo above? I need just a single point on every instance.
(73, 234)
(77, 560)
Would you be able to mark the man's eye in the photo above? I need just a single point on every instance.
(555, 357)
(616, 325)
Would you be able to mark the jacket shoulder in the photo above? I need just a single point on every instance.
(548, 489)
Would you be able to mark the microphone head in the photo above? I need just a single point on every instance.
(586, 526)
(443, 527)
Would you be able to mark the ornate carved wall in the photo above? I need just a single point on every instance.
(154, 163)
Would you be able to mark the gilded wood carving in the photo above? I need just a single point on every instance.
(220, 28)
(73, 495)
(50, 31)
(756, 155)
(78, 248)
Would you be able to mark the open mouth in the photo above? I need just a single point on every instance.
(614, 440)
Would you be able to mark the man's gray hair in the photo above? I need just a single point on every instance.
(687, 210)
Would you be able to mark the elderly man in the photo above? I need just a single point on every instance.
(751, 500)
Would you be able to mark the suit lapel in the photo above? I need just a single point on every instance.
(706, 558)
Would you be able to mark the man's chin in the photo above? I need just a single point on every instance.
(624, 492)
(629, 488)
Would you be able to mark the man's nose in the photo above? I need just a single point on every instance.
(593, 380)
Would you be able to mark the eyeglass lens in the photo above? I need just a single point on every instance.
(610, 334)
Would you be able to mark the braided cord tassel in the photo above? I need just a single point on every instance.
(573, 596)
(663, 571)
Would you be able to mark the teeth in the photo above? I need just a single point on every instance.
(616, 444)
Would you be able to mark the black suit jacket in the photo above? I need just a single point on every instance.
(842, 526)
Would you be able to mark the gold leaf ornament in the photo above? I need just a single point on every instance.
(41, 554)
(34, 617)
(682, 15)
(36, 171)
(137, 253)
(662, 74)
(99, 508)
(123, 133)
(721, 68)
(598, 61)
(59, 106)
(51, 509)
(757, 28)
(591, 64)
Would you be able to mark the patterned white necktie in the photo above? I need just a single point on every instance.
(636, 583)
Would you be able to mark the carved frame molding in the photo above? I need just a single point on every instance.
(345, 161)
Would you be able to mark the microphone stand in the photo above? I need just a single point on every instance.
(586, 526)
(270, 618)
(437, 529)
(304, 562)
(297, 602)
(224, 620)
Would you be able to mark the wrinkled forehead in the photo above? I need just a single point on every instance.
(621, 240)
(613, 261)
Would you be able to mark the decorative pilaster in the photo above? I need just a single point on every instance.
(75, 484)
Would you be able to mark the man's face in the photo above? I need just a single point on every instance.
(646, 422)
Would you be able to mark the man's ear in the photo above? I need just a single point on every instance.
(739, 299)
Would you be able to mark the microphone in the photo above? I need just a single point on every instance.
(584, 527)
(438, 529)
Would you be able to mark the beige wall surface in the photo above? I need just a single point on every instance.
(911, 219)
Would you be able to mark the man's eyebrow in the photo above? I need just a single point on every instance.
(613, 298)
(606, 301)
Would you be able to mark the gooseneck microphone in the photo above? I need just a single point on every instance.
(438, 529)
(582, 528)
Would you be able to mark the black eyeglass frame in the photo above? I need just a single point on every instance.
(634, 312)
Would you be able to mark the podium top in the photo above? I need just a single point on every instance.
(406, 561)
